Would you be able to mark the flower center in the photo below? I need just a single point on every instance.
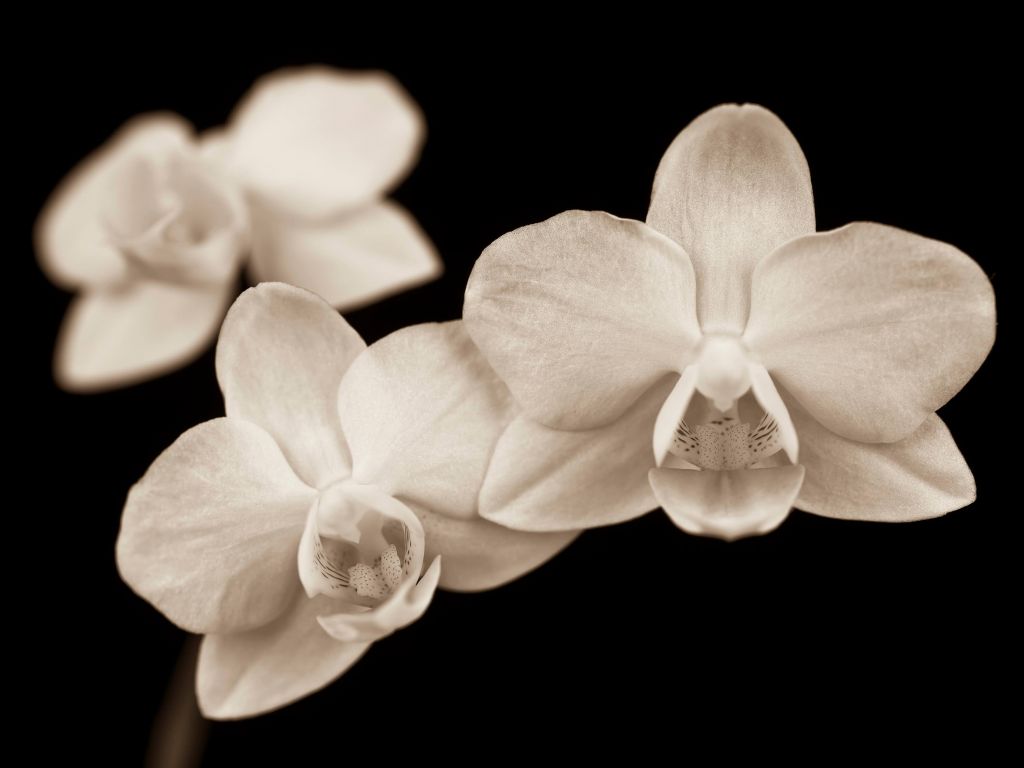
(363, 544)
(172, 220)
(724, 441)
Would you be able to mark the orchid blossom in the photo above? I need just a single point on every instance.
(293, 532)
(768, 365)
(152, 227)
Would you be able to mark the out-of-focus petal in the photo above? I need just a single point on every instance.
(350, 261)
(543, 479)
(730, 188)
(581, 314)
(727, 504)
(72, 239)
(421, 411)
(871, 328)
(481, 555)
(117, 336)
(404, 606)
(921, 476)
(249, 673)
(317, 141)
(209, 534)
(281, 356)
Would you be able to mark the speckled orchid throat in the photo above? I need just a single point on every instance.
(724, 413)
(360, 545)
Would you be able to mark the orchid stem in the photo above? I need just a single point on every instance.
(179, 731)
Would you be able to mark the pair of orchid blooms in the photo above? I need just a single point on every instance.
(722, 360)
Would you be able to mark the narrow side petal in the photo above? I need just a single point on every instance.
(543, 479)
(209, 534)
(672, 411)
(250, 673)
(581, 314)
(727, 504)
(871, 328)
(351, 261)
(422, 410)
(72, 241)
(480, 555)
(921, 476)
(281, 356)
(122, 335)
(317, 141)
(730, 188)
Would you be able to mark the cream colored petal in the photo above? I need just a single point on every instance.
(732, 187)
(921, 476)
(316, 141)
(250, 673)
(871, 328)
(123, 335)
(353, 260)
(581, 314)
(729, 504)
(209, 534)
(281, 356)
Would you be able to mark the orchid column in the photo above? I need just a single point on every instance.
(723, 359)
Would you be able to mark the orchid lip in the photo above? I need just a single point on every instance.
(360, 544)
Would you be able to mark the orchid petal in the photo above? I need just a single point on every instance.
(316, 141)
(768, 398)
(480, 555)
(422, 410)
(581, 314)
(249, 673)
(730, 188)
(727, 504)
(672, 411)
(543, 479)
(871, 328)
(350, 261)
(122, 335)
(281, 356)
(72, 241)
(921, 476)
(209, 533)
(404, 606)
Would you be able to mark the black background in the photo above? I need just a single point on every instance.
(637, 631)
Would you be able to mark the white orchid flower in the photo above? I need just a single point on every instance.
(151, 228)
(768, 364)
(292, 533)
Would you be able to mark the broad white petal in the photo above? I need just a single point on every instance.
(581, 314)
(543, 479)
(422, 411)
(113, 337)
(281, 356)
(250, 673)
(730, 188)
(480, 555)
(316, 141)
(209, 534)
(871, 328)
(72, 241)
(727, 504)
(350, 261)
(921, 476)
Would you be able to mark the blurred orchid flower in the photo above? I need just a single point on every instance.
(293, 532)
(734, 338)
(152, 227)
